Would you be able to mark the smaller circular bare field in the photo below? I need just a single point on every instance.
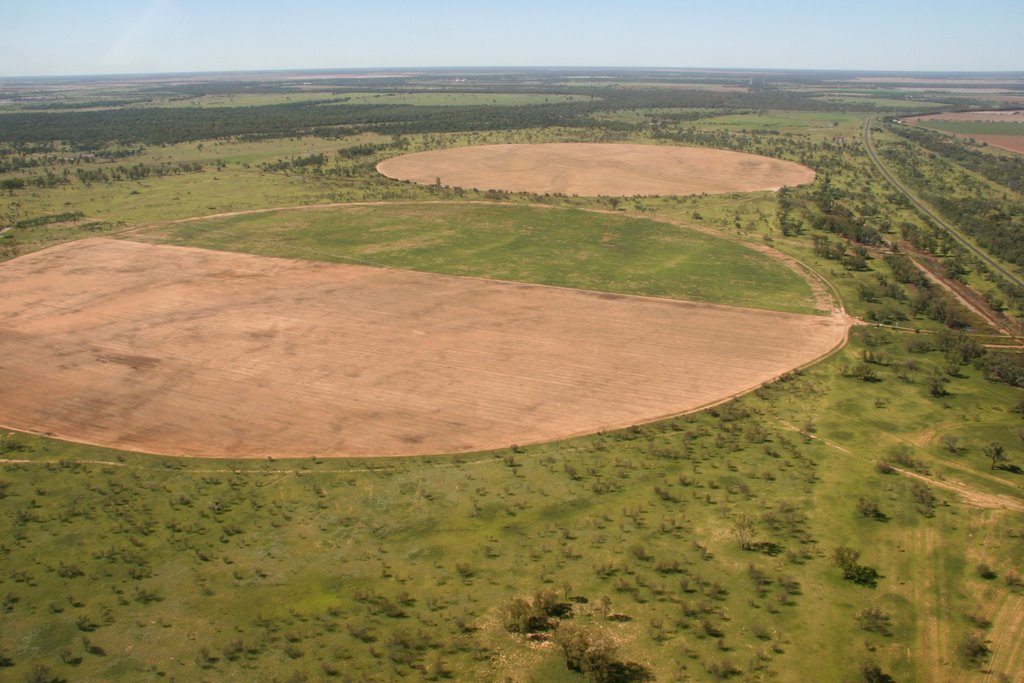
(597, 169)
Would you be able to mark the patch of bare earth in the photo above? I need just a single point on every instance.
(185, 351)
(991, 115)
(1012, 143)
(597, 169)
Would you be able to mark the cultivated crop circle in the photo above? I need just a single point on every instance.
(177, 350)
(597, 169)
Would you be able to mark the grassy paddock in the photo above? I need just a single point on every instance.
(554, 246)
(975, 127)
(833, 123)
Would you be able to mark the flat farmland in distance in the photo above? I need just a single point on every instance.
(191, 352)
(592, 169)
(1004, 128)
(408, 99)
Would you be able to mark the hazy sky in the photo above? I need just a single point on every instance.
(66, 37)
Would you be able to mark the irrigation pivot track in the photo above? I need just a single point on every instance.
(923, 208)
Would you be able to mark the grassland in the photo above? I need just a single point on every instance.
(834, 123)
(552, 246)
(974, 127)
(891, 103)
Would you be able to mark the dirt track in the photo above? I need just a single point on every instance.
(597, 169)
(185, 351)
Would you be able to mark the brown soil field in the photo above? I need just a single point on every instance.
(1012, 143)
(592, 169)
(184, 351)
(997, 115)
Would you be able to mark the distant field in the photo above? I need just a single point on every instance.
(461, 99)
(879, 102)
(800, 121)
(591, 169)
(993, 115)
(566, 247)
(246, 100)
(640, 115)
(1013, 143)
(975, 127)
(447, 99)
(411, 99)
(999, 129)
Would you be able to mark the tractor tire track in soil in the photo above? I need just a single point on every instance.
(932, 653)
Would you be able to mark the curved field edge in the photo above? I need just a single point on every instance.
(565, 247)
(594, 169)
(203, 352)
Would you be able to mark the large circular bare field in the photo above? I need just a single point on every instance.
(592, 169)
(184, 351)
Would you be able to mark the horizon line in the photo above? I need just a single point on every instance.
(456, 68)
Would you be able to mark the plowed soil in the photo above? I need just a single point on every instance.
(992, 115)
(1012, 143)
(592, 169)
(184, 351)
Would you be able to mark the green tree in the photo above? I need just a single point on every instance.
(846, 559)
(995, 452)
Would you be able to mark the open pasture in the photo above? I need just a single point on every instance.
(184, 351)
(601, 251)
(597, 169)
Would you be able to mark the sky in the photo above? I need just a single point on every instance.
(80, 37)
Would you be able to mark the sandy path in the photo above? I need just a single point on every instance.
(185, 351)
(970, 495)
